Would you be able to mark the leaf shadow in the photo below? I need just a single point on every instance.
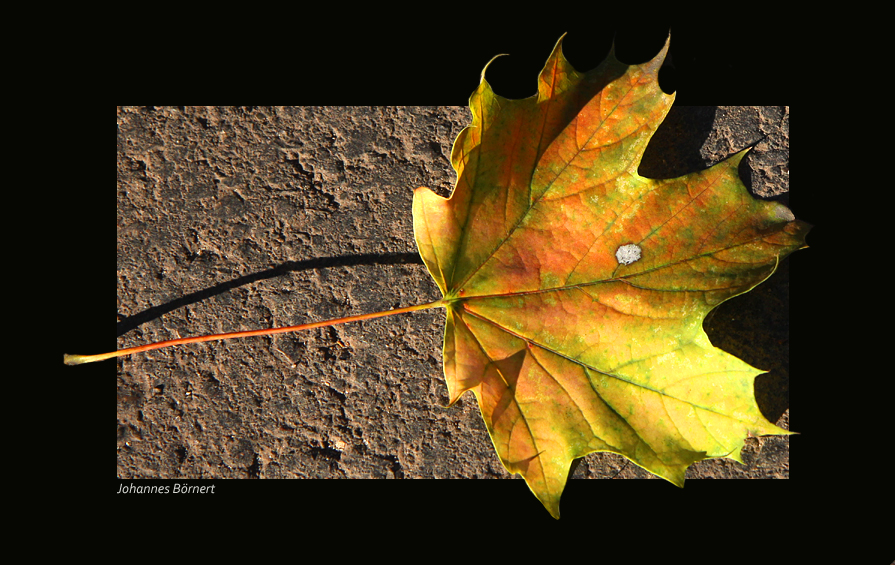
(674, 149)
(127, 324)
(755, 327)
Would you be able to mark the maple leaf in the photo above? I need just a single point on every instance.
(576, 289)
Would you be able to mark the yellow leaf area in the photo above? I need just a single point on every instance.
(576, 289)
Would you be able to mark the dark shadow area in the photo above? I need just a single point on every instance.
(131, 322)
(755, 327)
(674, 149)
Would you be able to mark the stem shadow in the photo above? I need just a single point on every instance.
(127, 324)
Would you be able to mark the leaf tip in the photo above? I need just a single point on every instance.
(781, 212)
(482, 79)
(420, 191)
(553, 511)
(664, 51)
(558, 47)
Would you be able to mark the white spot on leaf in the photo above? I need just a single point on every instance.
(628, 254)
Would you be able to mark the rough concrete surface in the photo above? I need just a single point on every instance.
(250, 217)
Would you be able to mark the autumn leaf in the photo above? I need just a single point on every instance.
(576, 289)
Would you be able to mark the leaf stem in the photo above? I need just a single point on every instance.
(79, 359)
